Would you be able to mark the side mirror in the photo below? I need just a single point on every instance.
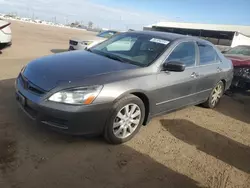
(174, 66)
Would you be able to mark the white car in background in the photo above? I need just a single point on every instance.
(81, 44)
(5, 34)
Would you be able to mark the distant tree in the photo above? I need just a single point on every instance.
(90, 24)
(74, 24)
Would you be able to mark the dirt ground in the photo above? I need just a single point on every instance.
(194, 147)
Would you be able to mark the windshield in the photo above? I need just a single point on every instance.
(106, 34)
(138, 49)
(240, 50)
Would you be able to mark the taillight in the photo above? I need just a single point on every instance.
(6, 25)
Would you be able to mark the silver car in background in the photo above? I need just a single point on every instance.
(5, 34)
(82, 44)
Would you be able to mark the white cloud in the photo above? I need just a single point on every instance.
(81, 10)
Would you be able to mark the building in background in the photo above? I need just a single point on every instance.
(223, 36)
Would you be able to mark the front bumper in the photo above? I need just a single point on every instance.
(75, 45)
(5, 45)
(241, 82)
(241, 77)
(70, 119)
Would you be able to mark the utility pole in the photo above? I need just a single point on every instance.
(66, 20)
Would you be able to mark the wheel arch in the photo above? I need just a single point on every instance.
(145, 99)
(224, 82)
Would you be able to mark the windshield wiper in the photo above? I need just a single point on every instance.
(89, 50)
(114, 57)
(110, 56)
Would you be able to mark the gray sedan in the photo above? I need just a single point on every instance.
(119, 85)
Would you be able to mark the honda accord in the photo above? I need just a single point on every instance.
(119, 85)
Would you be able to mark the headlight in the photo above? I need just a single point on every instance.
(84, 95)
(86, 42)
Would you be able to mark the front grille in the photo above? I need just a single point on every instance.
(72, 42)
(243, 72)
(30, 86)
(35, 90)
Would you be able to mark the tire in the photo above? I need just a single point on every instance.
(210, 103)
(120, 106)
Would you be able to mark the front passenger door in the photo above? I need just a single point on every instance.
(177, 88)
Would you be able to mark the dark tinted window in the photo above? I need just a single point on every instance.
(185, 53)
(207, 54)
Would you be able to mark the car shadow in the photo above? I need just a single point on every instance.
(55, 51)
(239, 94)
(38, 157)
(214, 144)
(235, 105)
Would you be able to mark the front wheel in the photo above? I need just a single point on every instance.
(215, 95)
(126, 120)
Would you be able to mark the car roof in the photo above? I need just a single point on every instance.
(170, 36)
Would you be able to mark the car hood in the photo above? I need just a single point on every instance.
(47, 72)
(239, 60)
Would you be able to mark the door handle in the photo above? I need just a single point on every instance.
(219, 69)
(194, 75)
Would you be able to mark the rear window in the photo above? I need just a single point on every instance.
(207, 54)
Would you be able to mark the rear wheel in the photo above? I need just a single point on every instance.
(215, 95)
(126, 120)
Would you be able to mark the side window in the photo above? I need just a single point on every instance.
(207, 55)
(124, 44)
(185, 53)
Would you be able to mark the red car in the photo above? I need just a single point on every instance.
(240, 56)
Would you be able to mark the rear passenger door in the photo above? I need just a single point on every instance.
(209, 69)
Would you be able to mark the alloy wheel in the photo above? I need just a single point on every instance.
(127, 120)
(217, 93)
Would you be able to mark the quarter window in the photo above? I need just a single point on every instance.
(207, 55)
(185, 53)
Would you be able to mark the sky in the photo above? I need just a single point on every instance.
(134, 14)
